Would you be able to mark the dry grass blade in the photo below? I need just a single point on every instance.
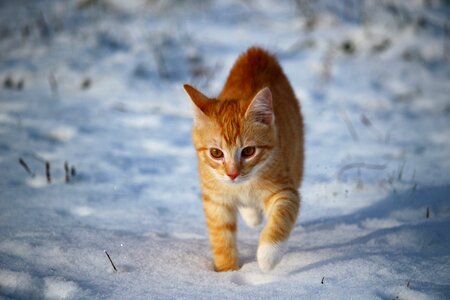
(110, 260)
(47, 172)
(26, 167)
(350, 127)
(66, 171)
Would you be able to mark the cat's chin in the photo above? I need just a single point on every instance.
(236, 181)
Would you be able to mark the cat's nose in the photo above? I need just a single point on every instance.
(233, 175)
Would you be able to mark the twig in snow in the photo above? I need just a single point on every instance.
(400, 171)
(428, 213)
(47, 172)
(43, 25)
(327, 65)
(366, 121)
(110, 260)
(8, 83)
(53, 84)
(360, 165)
(323, 278)
(26, 167)
(73, 172)
(350, 127)
(360, 184)
(66, 171)
(407, 284)
(161, 63)
(20, 84)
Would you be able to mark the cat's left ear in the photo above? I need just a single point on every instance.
(261, 107)
(200, 102)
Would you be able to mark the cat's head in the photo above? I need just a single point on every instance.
(233, 138)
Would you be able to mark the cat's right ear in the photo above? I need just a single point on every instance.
(261, 109)
(199, 100)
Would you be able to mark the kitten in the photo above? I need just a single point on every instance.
(249, 143)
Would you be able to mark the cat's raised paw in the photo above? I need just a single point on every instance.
(269, 255)
(252, 216)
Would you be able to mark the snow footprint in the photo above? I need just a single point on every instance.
(253, 278)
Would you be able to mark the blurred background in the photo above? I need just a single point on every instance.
(366, 61)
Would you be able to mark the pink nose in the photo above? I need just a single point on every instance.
(233, 175)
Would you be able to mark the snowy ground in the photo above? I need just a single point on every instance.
(99, 86)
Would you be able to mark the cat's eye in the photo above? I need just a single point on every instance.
(216, 153)
(248, 151)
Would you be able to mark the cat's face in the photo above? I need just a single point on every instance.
(233, 139)
(238, 159)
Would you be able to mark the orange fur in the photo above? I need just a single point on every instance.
(245, 114)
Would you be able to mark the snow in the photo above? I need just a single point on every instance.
(102, 91)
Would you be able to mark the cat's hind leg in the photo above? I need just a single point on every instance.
(252, 216)
(281, 210)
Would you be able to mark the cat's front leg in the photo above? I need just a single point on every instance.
(281, 210)
(221, 221)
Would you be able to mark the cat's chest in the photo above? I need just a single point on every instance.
(246, 195)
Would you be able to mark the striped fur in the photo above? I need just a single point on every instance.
(256, 108)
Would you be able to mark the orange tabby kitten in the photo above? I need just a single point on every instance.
(249, 143)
